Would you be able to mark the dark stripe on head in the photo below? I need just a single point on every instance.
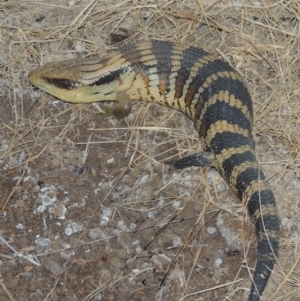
(108, 78)
(189, 57)
(163, 55)
(227, 140)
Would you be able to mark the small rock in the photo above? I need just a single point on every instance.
(234, 231)
(73, 227)
(19, 226)
(211, 230)
(169, 239)
(53, 267)
(59, 211)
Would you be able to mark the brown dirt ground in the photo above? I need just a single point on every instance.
(89, 209)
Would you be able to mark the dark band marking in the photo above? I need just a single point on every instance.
(234, 87)
(246, 177)
(235, 160)
(268, 248)
(188, 58)
(130, 53)
(267, 223)
(227, 140)
(207, 70)
(190, 94)
(198, 107)
(221, 110)
(266, 197)
(163, 56)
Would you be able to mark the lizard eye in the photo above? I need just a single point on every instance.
(62, 83)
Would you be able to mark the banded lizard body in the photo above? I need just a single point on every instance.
(207, 90)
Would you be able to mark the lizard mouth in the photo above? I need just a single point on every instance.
(62, 83)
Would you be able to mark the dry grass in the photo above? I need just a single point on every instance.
(260, 38)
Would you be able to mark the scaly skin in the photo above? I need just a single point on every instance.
(204, 88)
